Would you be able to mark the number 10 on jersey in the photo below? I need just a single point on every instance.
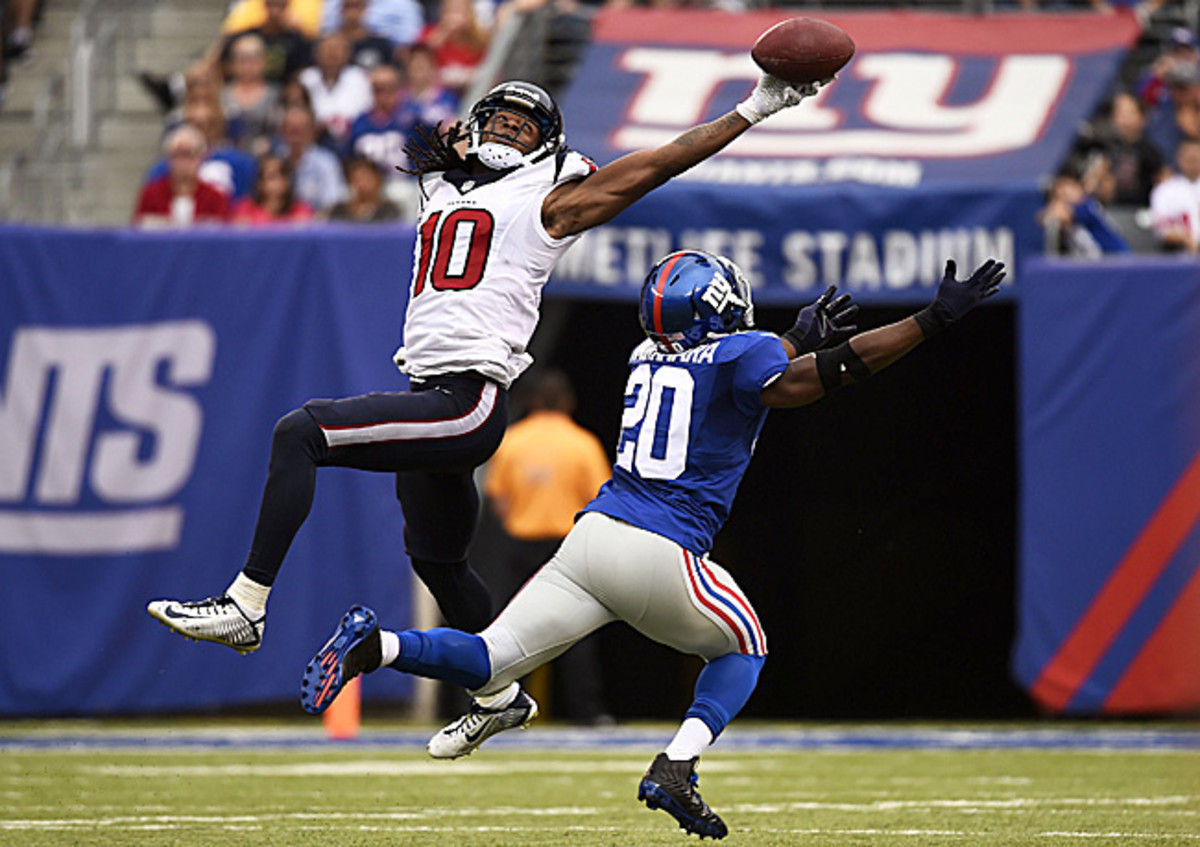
(454, 255)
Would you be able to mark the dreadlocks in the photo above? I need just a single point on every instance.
(432, 150)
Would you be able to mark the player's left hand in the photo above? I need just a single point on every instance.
(957, 297)
(823, 322)
(771, 94)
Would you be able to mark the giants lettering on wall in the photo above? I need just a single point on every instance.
(100, 433)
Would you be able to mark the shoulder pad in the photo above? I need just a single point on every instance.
(570, 165)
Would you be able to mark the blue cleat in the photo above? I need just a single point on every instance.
(353, 648)
(671, 786)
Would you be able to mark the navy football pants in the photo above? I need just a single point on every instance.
(432, 438)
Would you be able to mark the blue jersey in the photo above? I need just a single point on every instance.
(381, 140)
(231, 170)
(689, 427)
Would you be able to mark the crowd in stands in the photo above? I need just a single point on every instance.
(1132, 183)
(301, 108)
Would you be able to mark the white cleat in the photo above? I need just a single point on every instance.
(464, 736)
(217, 619)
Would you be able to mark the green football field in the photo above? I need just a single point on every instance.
(283, 783)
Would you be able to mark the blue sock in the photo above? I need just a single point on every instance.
(445, 654)
(723, 687)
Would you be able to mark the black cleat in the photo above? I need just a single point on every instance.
(671, 786)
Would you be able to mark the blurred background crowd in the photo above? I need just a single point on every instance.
(297, 111)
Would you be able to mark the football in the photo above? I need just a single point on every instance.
(803, 50)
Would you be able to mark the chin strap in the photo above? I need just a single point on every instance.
(498, 156)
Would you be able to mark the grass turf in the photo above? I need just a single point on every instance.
(163, 793)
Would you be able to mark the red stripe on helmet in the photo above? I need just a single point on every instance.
(663, 275)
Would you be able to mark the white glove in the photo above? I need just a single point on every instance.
(772, 95)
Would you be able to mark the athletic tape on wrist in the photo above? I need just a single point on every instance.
(747, 111)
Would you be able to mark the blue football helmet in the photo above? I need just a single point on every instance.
(691, 296)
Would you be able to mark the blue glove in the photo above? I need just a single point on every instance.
(822, 322)
(954, 298)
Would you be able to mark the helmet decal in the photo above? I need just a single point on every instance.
(691, 296)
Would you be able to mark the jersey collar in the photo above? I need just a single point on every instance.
(466, 181)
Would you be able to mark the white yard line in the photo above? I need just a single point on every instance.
(243, 823)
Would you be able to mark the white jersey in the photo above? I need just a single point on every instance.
(1175, 205)
(481, 261)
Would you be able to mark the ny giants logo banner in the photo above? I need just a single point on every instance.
(927, 98)
(929, 146)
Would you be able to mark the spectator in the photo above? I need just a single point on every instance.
(459, 42)
(274, 199)
(301, 15)
(318, 173)
(429, 102)
(1175, 203)
(340, 91)
(228, 169)
(399, 21)
(180, 197)
(288, 49)
(20, 16)
(379, 134)
(249, 101)
(292, 94)
(545, 471)
(1181, 49)
(368, 48)
(200, 81)
(367, 204)
(1075, 223)
(1178, 116)
(1135, 164)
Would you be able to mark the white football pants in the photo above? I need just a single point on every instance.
(608, 570)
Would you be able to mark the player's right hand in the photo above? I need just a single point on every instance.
(823, 322)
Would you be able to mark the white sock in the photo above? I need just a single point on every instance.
(501, 699)
(693, 738)
(389, 643)
(250, 595)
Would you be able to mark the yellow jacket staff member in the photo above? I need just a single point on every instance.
(547, 467)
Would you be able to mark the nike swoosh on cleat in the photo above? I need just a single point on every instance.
(171, 613)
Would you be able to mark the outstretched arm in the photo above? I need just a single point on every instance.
(577, 206)
(814, 375)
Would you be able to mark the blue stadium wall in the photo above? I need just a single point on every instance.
(1004, 522)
